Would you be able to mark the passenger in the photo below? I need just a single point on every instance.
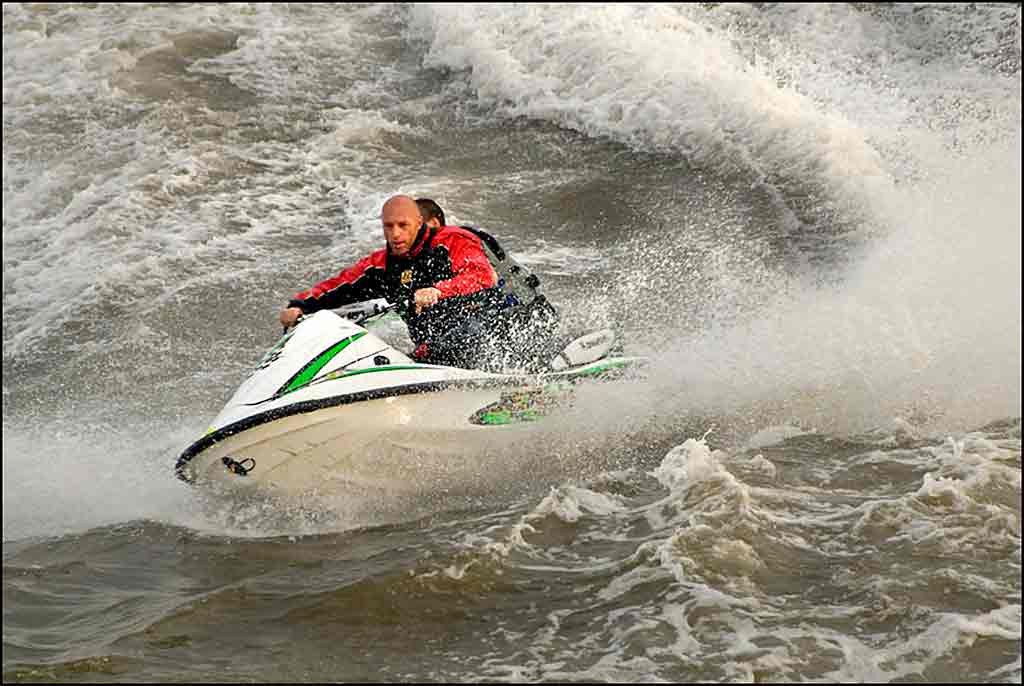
(528, 323)
(433, 215)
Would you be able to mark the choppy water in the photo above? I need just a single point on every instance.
(809, 216)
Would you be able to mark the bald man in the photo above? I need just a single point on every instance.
(439, 277)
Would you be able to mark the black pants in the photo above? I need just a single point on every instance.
(522, 338)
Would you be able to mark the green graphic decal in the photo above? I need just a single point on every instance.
(502, 417)
(525, 405)
(310, 370)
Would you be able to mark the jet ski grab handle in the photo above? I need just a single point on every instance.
(358, 312)
(364, 311)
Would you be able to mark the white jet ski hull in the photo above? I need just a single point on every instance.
(396, 445)
(353, 426)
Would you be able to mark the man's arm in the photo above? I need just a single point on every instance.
(362, 281)
(471, 269)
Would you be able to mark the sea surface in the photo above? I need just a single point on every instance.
(808, 217)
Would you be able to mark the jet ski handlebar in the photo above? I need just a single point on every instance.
(359, 313)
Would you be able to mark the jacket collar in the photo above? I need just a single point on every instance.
(423, 238)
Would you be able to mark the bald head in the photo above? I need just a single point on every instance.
(401, 221)
(400, 203)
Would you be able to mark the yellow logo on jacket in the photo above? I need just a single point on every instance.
(406, 277)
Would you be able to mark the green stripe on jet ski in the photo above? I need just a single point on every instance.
(307, 373)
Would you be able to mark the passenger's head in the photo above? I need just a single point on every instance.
(431, 212)
(400, 218)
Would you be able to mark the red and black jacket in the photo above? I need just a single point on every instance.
(450, 259)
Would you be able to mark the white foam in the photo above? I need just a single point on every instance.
(130, 194)
(688, 464)
(926, 329)
(60, 480)
(660, 77)
(773, 435)
(570, 503)
(928, 325)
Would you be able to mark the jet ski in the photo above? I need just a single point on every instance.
(332, 406)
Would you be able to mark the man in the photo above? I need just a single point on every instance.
(442, 283)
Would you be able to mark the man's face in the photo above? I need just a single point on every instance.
(401, 222)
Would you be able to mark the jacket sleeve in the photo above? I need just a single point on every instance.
(471, 269)
(362, 281)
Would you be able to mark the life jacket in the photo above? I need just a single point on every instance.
(518, 284)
